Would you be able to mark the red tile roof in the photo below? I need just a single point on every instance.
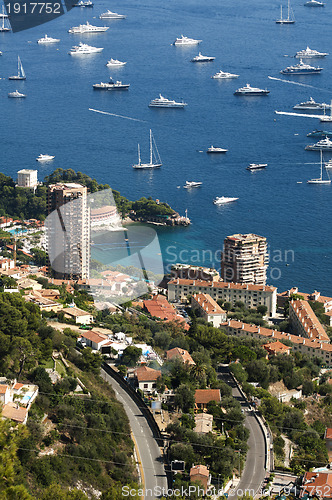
(203, 396)
(267, 332)
(93, 336)
(276, 347)
(222, 284)
(159, 307)
(200, 470)
(182, 354)
(207, 303)
(146, 374)
(3, 388)
(317, 483)
(18, 414)
(309, 320)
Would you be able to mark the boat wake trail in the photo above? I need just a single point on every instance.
(297, 114)
(117, 116)
(297, 83)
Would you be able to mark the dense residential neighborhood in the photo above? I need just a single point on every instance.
(223, 367)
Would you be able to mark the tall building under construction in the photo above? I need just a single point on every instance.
(68, 230)
(244, 259)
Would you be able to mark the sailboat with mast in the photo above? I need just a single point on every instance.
(320, 180)
(20, 71)
(4, 27)
(155, 160)
(326, 118)
(290, 19)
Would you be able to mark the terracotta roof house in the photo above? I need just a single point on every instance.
(179, 353)
(15, 412)
(201, 474)
(318, 484)
(147, 378)
(80, 316)
(208, 308)
(159, 307)
(93, 339)
(204, 396)
(277, 347)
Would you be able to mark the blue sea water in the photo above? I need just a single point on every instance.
(243, 36)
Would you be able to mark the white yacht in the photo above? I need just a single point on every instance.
(192, 184)
(301, 69)
(201, 58)
(320, 179)
(248, 90)
(155, 160)
(115, 63)
(83, 3)
(111, 85)
(88, 28)
(256, 166)
(224, 75)
(184, 40)
(48, 39)
(314, 3)
(83, 48)
(16, 94)
(163, 102)
(42, 157)
(308, 53)
(221, 200)
(312, 104)
(323, 144)
(111, 15)
(213, 149)
(328, 164)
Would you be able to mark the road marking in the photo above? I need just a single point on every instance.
(139, 464)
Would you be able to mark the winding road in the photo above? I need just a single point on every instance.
(254, 469)
(153, 476)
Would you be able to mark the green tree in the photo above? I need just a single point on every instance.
(184, 398)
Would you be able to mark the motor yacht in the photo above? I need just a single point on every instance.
(192, 184)
(323, 144)
(163, 102)
(111, 85)
(224, 75)
(111, 15)
(248, 90)
(301, 69)
(213, 149)
(308, 53)
(83, 49)
(221, 200)
(48, 39)
(201, 58)
(256, 166)
(88, 28)
(42, 157)
(184, 40)
(312, 104)
(115, 63)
